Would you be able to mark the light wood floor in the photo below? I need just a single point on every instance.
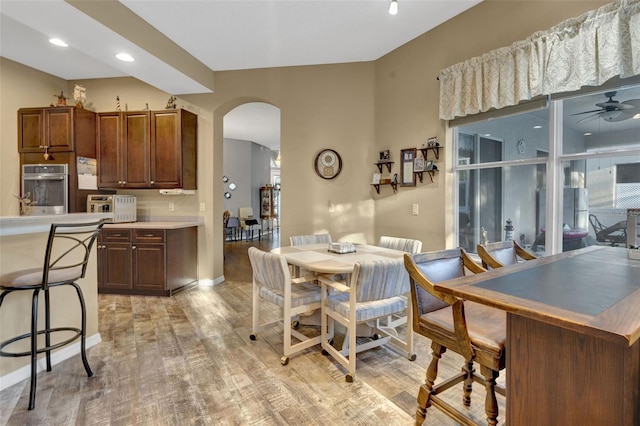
(188, 360)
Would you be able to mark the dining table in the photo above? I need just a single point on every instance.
(573, 335)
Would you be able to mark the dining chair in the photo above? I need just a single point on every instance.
(502, 253)
(475, 331)
(65, 262)
(375, 292)
(402, 244)
(299, 240)
(272, 283)
(249, 223)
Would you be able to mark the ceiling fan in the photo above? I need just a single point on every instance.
(612, 110)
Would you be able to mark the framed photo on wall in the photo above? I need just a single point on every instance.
(407, 177)
(384, 156)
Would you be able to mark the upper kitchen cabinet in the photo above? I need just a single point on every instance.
(147, 149)
(174, 137)
(55, 129)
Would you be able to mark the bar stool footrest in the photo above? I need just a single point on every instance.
(78, 333)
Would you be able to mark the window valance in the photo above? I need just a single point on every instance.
(583, 51)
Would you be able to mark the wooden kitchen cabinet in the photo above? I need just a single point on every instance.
(147, 261)
(147, 149)
(58, 129)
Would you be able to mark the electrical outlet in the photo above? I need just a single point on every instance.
(415, 209)
(201, 207)
(171, 207)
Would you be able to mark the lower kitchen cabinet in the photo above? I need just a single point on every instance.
(147, 261)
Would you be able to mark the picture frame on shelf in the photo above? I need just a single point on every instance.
(384, 156)
(407, 177)
(418, 164)
(428, 165)
(376, 179)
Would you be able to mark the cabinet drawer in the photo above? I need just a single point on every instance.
(116, 235)
(149, 235)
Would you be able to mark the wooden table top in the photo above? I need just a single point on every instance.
(317, 257)
(595, 290)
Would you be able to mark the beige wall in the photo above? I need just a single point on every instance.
(407, 97)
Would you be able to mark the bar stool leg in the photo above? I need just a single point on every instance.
(47, 327)
(83, 331)
(34, 348)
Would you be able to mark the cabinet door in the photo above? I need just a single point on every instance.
(108, 135)
(115, 265)
(30, 129)
(59, 129)
(135, 152)
(150, 266)
(166, 150)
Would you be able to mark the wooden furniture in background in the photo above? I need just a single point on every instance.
(573, 333)
(476, 332)
(502, 253)
(150, 261)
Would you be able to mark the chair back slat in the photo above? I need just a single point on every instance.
(68, 248)
(402, 244)
(269, 269)
(298, 240)
(379, 279)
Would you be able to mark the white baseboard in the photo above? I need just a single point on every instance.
(213, 282)
(57, 357)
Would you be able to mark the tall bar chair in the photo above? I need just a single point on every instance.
(65, 262)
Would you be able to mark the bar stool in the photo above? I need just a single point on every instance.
(65, 262)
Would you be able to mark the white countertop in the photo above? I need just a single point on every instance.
(155, 225)
(17, 225)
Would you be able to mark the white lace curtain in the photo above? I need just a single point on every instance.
(584, 51)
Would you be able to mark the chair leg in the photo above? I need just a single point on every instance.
(424, 394)
(468, 382)
(47, 328)
(34, 348)
(83, 330)
(491, 403)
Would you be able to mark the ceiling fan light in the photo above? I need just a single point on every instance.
(610, 115)
(393, 7)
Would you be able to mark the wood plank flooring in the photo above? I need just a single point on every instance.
(188, 360)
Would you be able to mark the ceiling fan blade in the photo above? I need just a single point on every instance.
(588, 112)
(589, 118)
(634, 105)
(620, 117)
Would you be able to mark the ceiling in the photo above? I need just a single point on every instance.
(176, 44)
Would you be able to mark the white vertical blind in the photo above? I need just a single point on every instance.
(583, 51)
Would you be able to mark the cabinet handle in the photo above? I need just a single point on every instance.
(133, 247)
(117, 235)
(152, 182)
(148, 235)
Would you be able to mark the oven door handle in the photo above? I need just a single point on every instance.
(44, 177)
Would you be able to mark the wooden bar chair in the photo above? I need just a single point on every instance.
(476, 332)
(65, 262)
(502, 253)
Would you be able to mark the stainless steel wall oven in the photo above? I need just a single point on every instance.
(47, 186)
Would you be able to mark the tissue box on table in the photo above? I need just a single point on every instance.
(342, 247)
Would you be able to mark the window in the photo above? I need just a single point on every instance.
(505, 171)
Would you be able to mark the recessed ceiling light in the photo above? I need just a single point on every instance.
(637, 116)
(58, 42)
(537, 127)
(487, 134)
(125, 57)
(588, 134)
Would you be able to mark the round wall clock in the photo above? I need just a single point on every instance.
(328, 164)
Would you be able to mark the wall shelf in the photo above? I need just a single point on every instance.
(431, 173)
(435, 149)
(382, 163)
(393, 185)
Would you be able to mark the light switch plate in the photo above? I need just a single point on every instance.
(415, 209)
